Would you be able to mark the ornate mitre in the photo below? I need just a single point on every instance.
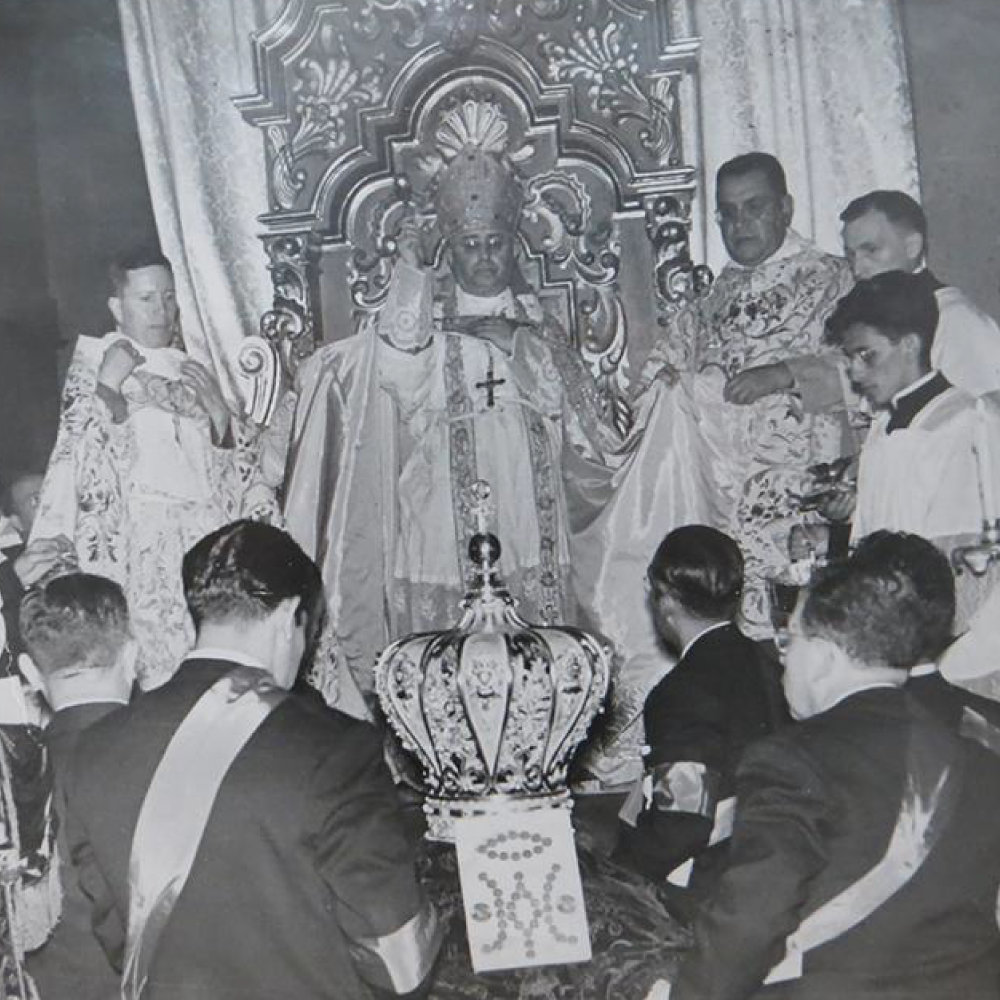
(478, 190)
(478, 187)
(494, 708)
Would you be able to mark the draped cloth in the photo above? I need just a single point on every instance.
(205, 166)
(823, 86)
(695, 458)
(386, 443)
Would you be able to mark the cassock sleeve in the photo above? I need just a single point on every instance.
(777, 846)
(364, 858)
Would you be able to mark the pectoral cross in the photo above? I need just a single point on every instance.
(490, 383)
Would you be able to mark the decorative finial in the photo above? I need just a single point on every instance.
(479, 502)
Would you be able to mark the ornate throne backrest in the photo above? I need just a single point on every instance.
(355, 97)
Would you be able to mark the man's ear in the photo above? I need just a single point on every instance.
(128, 658)
(787, 208)
(115, 306)
(913, 244)
(830, 662)
(914, 345)
(284, 616)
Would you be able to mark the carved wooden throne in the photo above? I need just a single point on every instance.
(596, 98)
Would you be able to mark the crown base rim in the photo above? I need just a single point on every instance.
(441, 814)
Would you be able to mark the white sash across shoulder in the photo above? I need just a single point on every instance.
(177, 805)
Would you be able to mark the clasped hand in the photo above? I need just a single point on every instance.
(752, 384)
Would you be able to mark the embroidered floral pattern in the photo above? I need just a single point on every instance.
(135, 539)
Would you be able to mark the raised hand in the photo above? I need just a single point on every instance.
(207, 392)
(408, 242)
(119, 361)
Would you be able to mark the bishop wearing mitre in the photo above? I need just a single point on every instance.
(461, 377)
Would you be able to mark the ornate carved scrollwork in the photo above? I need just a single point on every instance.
(605, 63)
(260, 366)
(350, 96)
(290, 323)
(560, 210)
(457, 25)
(328, 86)
(677, 279)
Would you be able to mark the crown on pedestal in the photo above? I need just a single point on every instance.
(495, 707)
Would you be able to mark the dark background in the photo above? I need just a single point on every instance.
(73, 188)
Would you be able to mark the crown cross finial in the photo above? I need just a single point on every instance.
(479, 503)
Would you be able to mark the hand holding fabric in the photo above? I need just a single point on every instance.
(206, 390)
(119, 361)
(754, 383)
(839, 503)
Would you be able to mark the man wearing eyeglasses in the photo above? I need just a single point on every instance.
(751, 354)
(863, 861)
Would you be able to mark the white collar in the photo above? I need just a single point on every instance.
(790, 246)
(704, 631)
(85, 700)
(858, 690)
(923, 670)
(467, 304)
(147, 352)
(221, 653)
(913, 385)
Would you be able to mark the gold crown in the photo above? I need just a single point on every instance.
(478, 190)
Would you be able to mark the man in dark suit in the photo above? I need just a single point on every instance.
(864, 858)
(723, 694)
(929, 574)
(79, 652)
(297, 879)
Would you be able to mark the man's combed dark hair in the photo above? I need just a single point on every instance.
(244, 570)
(702, 568)
(74, 622)
(891, 604)
(894, 303)
(897, 206)
(134, 259)
(745, 163)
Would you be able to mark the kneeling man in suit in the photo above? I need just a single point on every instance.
(864, 859)
(237, 839)
(723, 694)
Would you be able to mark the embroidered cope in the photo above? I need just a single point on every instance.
(135, 494)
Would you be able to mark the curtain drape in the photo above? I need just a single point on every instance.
(820, 83)
(823, 85)
(187, 59)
